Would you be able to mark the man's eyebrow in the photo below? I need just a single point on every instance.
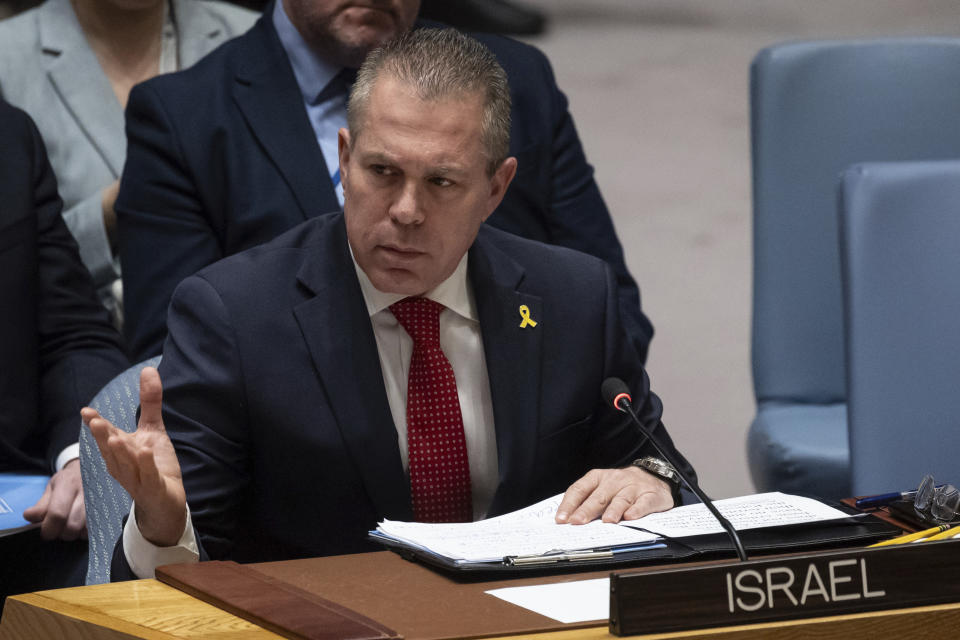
(377, 157)
(445, 169)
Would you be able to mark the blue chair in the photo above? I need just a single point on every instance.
(900, 253)
(106, 501)
(816, 109)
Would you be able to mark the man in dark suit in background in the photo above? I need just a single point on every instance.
(242, 147)
(398, 360)
(57, 349)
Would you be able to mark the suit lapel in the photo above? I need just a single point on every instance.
(339, 337)
(513, 363)
(270, 100)
(79, 82)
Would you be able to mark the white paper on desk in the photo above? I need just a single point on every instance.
(579, 601)
(528, 531)
(746, 512)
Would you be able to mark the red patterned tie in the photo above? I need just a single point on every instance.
(439, 471)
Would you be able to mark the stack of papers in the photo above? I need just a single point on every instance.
(533, 532)
(527, 532)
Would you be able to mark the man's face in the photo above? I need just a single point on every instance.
(344, 31)
(416, 187)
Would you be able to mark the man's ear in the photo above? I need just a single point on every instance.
(343, 152)
(499, 182)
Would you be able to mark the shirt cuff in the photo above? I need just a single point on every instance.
(144, 557)
(68, 454)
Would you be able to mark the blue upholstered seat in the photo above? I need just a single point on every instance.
(900, 253)
(816, 109)
(106, 501)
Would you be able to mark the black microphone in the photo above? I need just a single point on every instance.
(616, 393)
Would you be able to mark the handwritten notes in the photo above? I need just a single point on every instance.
(525, 532)
(533, 531)
(746, 512)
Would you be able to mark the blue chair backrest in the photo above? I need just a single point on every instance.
(106, 501)
(901, 274)
(817, 108)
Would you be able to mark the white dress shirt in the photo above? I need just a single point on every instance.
(462, 343)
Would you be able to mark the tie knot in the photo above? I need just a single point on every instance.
(420, 317)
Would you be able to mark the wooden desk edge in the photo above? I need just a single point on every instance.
(43, 614)
(33, 615)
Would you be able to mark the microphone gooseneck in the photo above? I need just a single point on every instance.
(615, 392)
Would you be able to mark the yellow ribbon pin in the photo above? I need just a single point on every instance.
(527, 320)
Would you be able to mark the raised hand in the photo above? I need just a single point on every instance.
(145, 464)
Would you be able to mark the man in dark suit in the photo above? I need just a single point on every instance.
(57, 347)
(296, 412)
(257, 158)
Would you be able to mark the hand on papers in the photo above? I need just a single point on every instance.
(614, 494)
(60, 510)
(145, 464)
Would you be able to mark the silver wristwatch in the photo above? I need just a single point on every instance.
(663, 470)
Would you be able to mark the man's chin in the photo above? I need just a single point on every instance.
(398, 281)
(352, 54)
(361, 26)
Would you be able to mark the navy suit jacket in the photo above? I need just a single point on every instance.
(274, 396)
(221, 157)
(57, 346)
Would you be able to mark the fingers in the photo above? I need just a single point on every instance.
(614, 495)
(647, 503)
(76, 526)
(606, 494)
(575, 495)
(65, 517)
(150, 479)
(120, 453)
(151, 399)
(102, 432)
(39, 510)
(88, 413)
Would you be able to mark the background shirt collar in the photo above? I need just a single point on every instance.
(312, 72)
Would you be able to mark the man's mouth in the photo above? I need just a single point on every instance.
(400, 252)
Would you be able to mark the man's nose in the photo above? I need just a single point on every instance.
(406, 208)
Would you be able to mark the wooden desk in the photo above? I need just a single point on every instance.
(149, 609)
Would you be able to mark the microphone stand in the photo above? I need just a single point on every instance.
(622, 403)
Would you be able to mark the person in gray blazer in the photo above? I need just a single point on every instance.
(71, 65)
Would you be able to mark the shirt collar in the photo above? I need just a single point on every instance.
(312, 72)
(454, 293)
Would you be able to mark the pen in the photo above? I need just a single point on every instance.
(559, 555)
(870, 502)
(571, 556)
(949, 533)
(911, 537)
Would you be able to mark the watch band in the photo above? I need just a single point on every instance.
(665, 471)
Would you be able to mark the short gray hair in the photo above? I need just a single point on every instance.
(440, 63)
